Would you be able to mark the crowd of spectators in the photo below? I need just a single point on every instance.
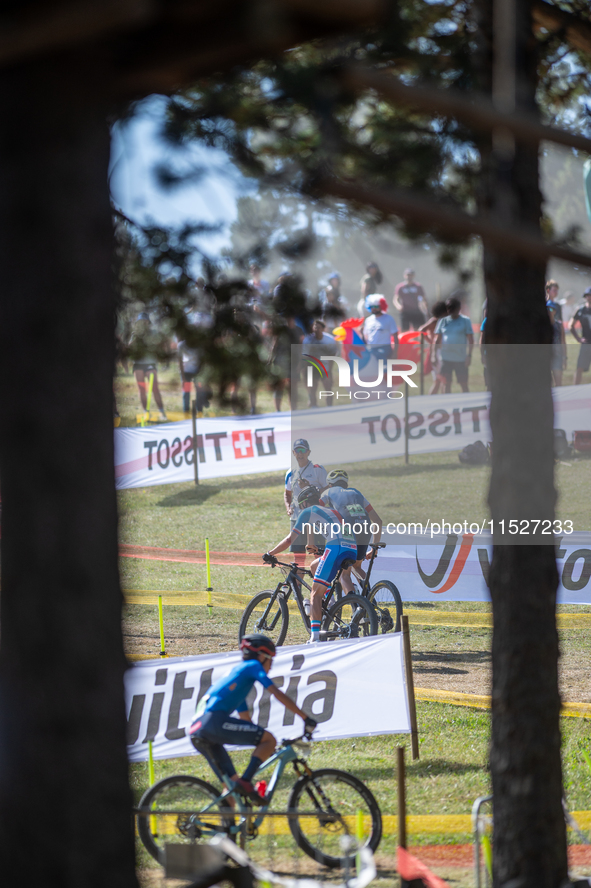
(283, 314)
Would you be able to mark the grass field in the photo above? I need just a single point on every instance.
(247, 514)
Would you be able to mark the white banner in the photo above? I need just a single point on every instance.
(343, 685)
(163, 454)
(455, 567)
(375, 429)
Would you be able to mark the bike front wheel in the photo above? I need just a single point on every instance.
(181, 793)
(351, 617)
(260, 615)
(324, 807)
(386, 599)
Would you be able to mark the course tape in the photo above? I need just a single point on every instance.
(442, 824)
(238, 600)
(480, 701)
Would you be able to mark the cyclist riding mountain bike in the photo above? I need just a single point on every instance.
(357, 513)
(340, 547)
(213, 725)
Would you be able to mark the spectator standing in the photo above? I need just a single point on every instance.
(146, 366)
(335, 307)
(188, 359)
(306, 474)
(552, 288)
(285, 334)
(256, 282)
(558, 363)
(455, 336)
(316, 344)
(409, 299)
(371, 283)
(582, 319)
(438, 311)
(379, 328)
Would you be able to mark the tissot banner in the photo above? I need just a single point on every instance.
(163, 454)
(454, 566)
(352, 688)
(374, 429)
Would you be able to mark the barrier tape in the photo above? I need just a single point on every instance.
(239, 600)
(480, 701)
(446, 824)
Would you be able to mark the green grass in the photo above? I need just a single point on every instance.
(452, 770)
(247, 514)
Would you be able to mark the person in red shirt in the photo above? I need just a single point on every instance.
(409, 299)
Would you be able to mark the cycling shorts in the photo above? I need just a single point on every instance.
(335, 553)
(361, 551)
(210, 732)
(219, 727)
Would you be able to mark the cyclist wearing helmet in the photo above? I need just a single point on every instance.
(340, 546)
(213, 725)
(356, 512)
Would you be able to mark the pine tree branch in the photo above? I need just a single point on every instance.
(427, 214)
(476, 112)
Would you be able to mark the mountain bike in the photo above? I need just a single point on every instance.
(343, 616)
(384, 595)
(323, 806)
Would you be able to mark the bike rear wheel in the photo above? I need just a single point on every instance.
(386, 599)
(179, 793)
(258, 617)
(351, 617)
(324, 807)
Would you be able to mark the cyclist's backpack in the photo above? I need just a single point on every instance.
(474, 454)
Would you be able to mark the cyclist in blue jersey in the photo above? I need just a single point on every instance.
(357, 513)
(340, 547)
(213, 724)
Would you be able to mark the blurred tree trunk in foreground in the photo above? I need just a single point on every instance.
(65, 814)
(530, 834)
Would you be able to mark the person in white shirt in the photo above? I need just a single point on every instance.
(306, 474)
(379, 328)
(316, 344)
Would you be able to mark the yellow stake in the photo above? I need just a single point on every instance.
(487, 854)
(148, 400)
(151, 763)
(209, 589)
(152, 781)
(359, 835)
(161, 622)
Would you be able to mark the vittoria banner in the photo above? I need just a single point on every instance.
(352, 688)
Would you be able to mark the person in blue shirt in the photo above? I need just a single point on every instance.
(341, 547)
(455, 336)
(357, 513)
(213, 724)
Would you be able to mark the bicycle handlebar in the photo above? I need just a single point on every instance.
(274, 562)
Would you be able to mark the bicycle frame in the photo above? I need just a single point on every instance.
(281, 758)
(295, 582)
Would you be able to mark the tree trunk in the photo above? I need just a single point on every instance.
(529, 828)
(65, 802)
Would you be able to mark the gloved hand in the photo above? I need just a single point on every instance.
(269, 559)
(309, 724)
